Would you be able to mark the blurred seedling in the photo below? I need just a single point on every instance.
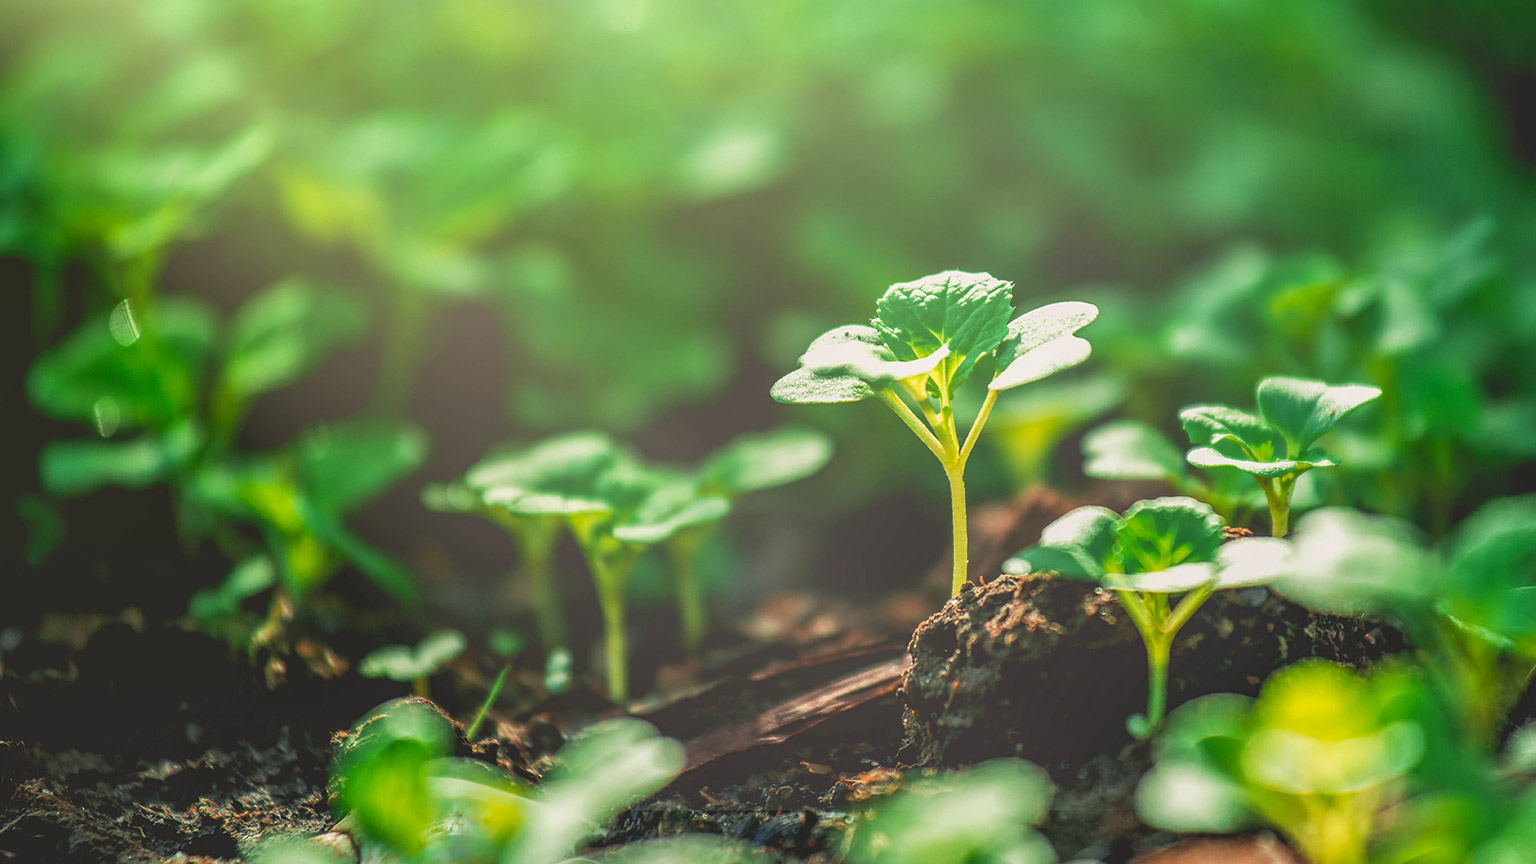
(982, 813)
(1277, 447)
(1469, 606)
(414, 664)
(1161, 549)
(395, 784)
(925, 343)
(1130, 450)
(748, 464)
(1317, 755)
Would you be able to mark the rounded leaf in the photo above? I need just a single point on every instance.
(345, 465)
(1037, 329)
(765, 460)
(1130, 450)
(1162, 533)
(1041, 362)
(805, 387)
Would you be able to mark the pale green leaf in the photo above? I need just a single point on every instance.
(284, 331)
(1303, 410)
(1210, 457)
(347, 464)
(1044, 333)
(1041, 362)
(1130, 450)
(765, 460)
(670, 508)
(405, 663)
(805, 387)
(1163, 533)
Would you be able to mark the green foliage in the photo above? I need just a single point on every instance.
(1276, 449)
(1132, 450)
(407, 663)
(979, 814)
(1316, 755)
(928, 338)
(1159, 548)
(1467, 605)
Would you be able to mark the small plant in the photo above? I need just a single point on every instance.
(1132, 450)
(926, 342)
(1317, 755)
(981, 813)
(1278, 448)
(748, 464)
(395, 784)
(1160, 549)
(1469, 607)
(616, 508)
(415, 665)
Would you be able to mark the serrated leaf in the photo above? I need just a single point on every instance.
(1040, 343)
(1303, 410)
(764, 460)
(282, 332)
(1130, 450)
(965, 312)
(344, 465)
(1163, 533)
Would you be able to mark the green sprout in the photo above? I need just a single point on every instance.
(1131, 450)
(1276, 449)
(927, 340)
(405, 798)
(748, 464)
(616, 509)
(1160, 549)
(414, 664)
(1318, 755)
(1469, 607)
(983, 813)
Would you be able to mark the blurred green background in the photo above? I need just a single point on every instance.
(634, 214)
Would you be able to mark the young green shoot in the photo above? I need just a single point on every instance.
(1276, 447)
(1163, 558)
(415, 665)
(924, 344)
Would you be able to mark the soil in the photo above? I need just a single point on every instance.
(132, 743)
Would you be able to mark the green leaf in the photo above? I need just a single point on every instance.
(558, 476)
(1210, 457)
(346, 464)
(284, 331)
(450, 498)
(1040, 343)
(1491, 571)
(1250, 561)
(1190, 797)
(806, 387)
(245, 580)
(1234, 434)
(1349, 563)
(869, 363)
(1303, 410)
(1130, 450)
(668, 509)
(1076, 546)
(1162, 533)
(764, 460)
(76, 467)
(404, 663)
(964, 312)
(382, 774)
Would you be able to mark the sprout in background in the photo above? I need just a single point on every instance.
(1132, 450)
(928, 339)
(1158, 550)
(1469, 607)
(981, 813)
(1318, 755)
(1277, 449)
(415, 665)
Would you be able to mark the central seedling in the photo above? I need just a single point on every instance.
(926, 342)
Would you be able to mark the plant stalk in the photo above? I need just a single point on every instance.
(538, 553)
(683, 549)
(1158, 649)
(611, 598)
(956, 475)
(490, 699)
(1279, 501)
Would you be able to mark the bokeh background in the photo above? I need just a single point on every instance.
(632, 215)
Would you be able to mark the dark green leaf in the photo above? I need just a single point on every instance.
(1163, 533)
(284, 331)
(965, 312)
(245, 580)
(347, 464)
(1078, 545)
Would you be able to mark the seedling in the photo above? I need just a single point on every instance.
(396, 786)
(1317, 756)
(748, 464)
(1160, 549)
(1278, 448)
(1469, 607)
(415, 665)
(616, 509)
(926, 342)
(982, 813)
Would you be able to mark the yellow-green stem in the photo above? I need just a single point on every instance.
(611, 599)
(956, 475)
(1279, 506)
(1158, 649)
(684, 552)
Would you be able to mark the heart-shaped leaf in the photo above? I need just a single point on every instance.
(404, 663)
(804, 387)
(1077, 546)
(1303, 410)
(1130, 450)
(765, 460)
(964, 312)
(1040, 343)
